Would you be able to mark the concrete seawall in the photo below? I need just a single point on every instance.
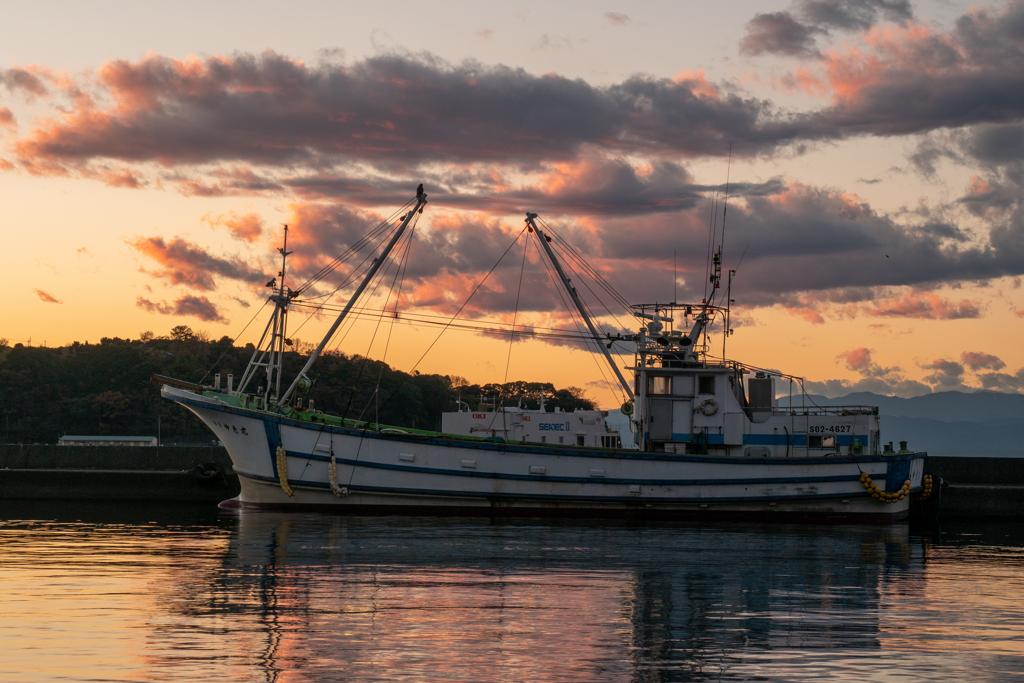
(974, 487)
(165, 474)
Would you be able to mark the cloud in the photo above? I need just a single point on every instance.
(854, 15)
(1003, 381)
(549, 42)
(246, 227)
(874, 378)
(45, 296)
(7, 118)
(184, 263)
(617, 18)
(195, 306)
(947, 375)
(780, 33)
(912, 79)
(18, 79)
(795, 33)
(275, 112)
(977, 360)
(928, 305)
(484, 33)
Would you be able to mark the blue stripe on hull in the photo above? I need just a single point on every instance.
(631, 500)
(589, 480)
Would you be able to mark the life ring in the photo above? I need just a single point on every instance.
(708, 407)
(627, 408)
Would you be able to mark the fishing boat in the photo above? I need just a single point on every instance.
(710, 436)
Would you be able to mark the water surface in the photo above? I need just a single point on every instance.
(104, 594)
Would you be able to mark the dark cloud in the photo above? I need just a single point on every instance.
(7, 118)
(617, 18)
(811, 239)
(1003, 381)
(781, 34)
(389, 109)
(795, 33)
(918, 80)
(977, 360)
(854, 15)
(946, 375)
(195, 306)
(231, 122)
(184, 263)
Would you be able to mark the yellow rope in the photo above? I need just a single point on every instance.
(282, 470)
(879, 494)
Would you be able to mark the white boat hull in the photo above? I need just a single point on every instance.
(414, 474)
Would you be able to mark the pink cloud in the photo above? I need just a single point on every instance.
(188, 264)
(858, 359)
(47, 297)
(927, 305)
(247, 227)
(976, 360)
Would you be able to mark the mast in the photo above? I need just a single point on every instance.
(567, 283)
(270, 356)
(421, 200)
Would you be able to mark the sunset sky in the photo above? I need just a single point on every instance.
(150, 155)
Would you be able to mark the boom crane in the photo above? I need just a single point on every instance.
(531, 220)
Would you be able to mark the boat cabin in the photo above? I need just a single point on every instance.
(686, 402)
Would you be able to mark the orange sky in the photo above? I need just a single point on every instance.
(874, 182)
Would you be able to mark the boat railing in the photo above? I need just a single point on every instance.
(825, 410)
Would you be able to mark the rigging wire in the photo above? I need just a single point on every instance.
(355, 247)
(464, 304)
(584, 336)
(353, 275)
(224, 353)
(515, 315)
(378, 280)
(496, 328)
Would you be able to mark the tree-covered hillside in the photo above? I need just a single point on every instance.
(105, 388)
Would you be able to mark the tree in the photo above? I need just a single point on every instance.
(182, 333)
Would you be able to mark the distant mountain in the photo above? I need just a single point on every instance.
(944, 406)
(945, 423)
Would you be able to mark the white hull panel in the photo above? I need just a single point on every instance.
(376, 471)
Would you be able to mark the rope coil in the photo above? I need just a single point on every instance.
(282, 470)
(879, 494)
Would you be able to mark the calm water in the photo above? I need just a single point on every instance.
(172, 594)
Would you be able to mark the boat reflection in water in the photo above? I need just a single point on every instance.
(442, 599)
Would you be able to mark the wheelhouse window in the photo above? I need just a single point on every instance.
(659, 386)
(821, 441)
(705, 384)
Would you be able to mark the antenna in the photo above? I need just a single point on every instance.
(675, 279)
(725, 210)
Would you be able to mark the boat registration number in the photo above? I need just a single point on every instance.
(832, 429)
